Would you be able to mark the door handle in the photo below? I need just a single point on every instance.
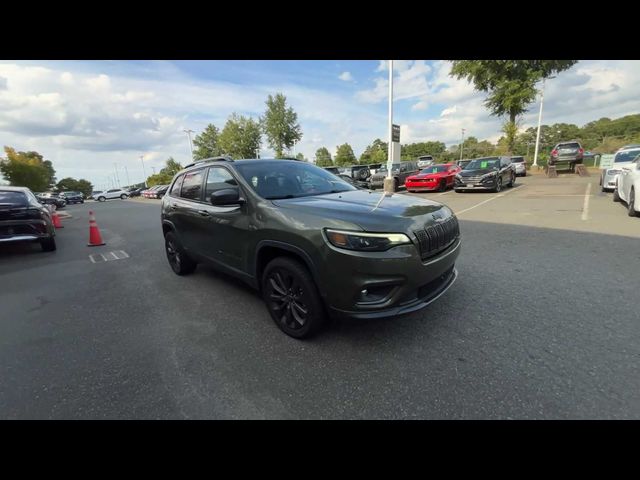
(204, 213)
(173, 206)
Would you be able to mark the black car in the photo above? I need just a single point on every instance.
(51, 199)
(72, 197)
(23, 218)
(135, 192)
(356, 183)
(310, 242)
(489, 173)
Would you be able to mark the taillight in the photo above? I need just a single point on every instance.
(581, 150)
(554, 152)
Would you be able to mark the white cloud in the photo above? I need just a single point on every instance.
(449, 111)
(346, 76)
(410, 80)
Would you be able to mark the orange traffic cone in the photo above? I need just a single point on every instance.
(95, 240)
(56, 219)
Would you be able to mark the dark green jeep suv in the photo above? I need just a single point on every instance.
(310, 242)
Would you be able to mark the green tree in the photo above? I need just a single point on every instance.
(206, 143)
(166, 174)
(240, 137)
(323, 158)
(300, 156)
(73, 185)
(510, 84)
(345, 155)
(280, 124)
(374, 153)
(27, 169)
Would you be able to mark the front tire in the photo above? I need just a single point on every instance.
(616, 196)
(102, 199)
(180, 262)
(292, 298)
(48, 244)
(498, 187)
(443, 186)
(123, 197)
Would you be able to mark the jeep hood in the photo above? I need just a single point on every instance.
(371, 211)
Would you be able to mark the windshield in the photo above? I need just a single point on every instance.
(277, 179)
(517, 159)
(626, 156)
(483, 163)
(435, 169)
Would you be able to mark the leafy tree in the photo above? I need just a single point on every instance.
(166, 174)
(240, 137)
(375, 153)
(171, 167)
(73, 185)
(280, 124)
(300, 156)
(206, 144)
(510, 84)
(323, 158)
(27, 169)
(412, 151)
(345, 156)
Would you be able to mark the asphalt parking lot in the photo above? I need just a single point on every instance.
(543, 322)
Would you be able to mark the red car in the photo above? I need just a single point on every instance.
(436, 177)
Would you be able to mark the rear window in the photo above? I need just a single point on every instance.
(517, 159)
(569, 145)
(13, 198)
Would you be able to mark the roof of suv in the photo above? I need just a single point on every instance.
(7, 188)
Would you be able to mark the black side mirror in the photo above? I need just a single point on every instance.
(227, 196)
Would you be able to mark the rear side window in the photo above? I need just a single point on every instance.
(175, 190)
(218, 178)
(192, 185)
(569, 145)
(13, 198)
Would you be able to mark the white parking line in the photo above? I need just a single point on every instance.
(489, 199)
(585, 206)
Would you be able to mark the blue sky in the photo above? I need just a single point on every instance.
(86, 116)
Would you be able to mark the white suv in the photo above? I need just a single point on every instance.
(622, 158)
(425, 161)
(113, 193)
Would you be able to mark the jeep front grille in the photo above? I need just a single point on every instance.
(437, 237)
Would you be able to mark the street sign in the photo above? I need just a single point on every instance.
(395, 133)
(606, 161)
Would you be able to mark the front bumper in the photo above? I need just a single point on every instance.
(422, 186)
(403, 281)
(488, 184)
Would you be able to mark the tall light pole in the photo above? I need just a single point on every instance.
(535, 153)
(189, 132)
(127, 172)
(115, 168)
(143, 172)
(462, 143)
(389, 186)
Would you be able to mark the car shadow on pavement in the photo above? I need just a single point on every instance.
(20, 248)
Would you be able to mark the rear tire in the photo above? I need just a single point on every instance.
(396, 185)
(48, 244)
(180, 262)
(123, 197)
(632, 200)
(101, 199)
(292, 298)
(443, 186)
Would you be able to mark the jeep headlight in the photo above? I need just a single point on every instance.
(365, 241)
(489, 175)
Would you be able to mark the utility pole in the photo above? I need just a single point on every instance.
(462, 144)
(389, 184)
(535, 154)
(143, 172)
(189, 132)
(115, 168)
(127, 172)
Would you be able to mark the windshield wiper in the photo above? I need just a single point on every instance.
(280, 198)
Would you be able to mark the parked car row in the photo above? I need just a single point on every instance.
(625, 177)
(157, 191)
(25, 218)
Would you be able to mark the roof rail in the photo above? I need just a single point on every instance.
(225, 158)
